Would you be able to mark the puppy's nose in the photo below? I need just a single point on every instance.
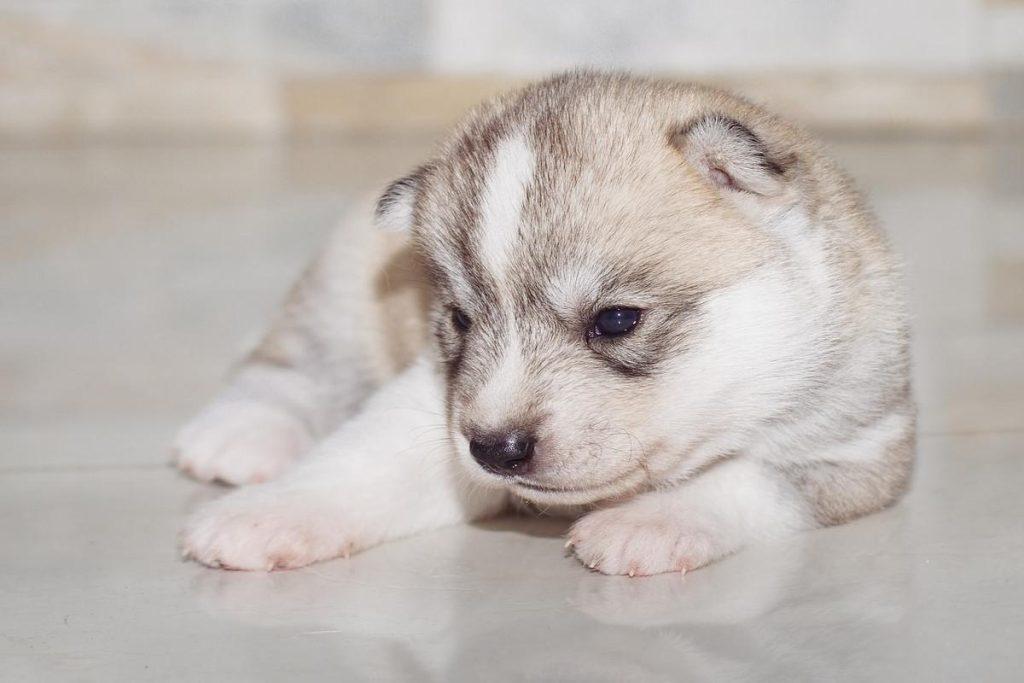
(507, 453)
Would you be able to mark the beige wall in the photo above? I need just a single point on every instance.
(173, 68)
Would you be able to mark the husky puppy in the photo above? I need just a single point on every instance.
(650, 305)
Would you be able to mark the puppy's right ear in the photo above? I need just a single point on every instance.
(396, 207)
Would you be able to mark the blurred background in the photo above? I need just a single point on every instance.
(271, 69)
(167, 167)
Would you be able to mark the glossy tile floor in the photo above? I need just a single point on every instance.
(130, 278)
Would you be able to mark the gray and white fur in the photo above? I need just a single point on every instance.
(451, 364)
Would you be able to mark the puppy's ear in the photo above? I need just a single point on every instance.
(396, 206)
(731, 156)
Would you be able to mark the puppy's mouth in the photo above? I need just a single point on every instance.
(556, 489)
(597, 490)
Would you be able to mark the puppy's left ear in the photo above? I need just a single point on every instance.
(397, 205)
(731, 156)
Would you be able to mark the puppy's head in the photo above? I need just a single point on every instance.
(595, 245)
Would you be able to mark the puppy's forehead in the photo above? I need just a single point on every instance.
(574, 192)
(507, 184)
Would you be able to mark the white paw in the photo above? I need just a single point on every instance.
(240, 442)
(261, 528)
(638, 543)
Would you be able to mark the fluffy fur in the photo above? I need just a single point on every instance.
(765, 390)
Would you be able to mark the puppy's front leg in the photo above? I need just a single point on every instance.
(387, 473)
(734, 504)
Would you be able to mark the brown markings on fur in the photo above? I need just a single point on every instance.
(273, 351)
(285, 345)
(401, 286)
(840, 492)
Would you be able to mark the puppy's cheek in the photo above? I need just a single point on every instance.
(632, 543)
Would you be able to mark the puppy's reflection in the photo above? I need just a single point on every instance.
(801, 608)
(489, 601)
(729, 594)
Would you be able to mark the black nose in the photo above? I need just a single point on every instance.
(503, 453)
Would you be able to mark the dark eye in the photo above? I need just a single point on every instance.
(615, 322)
(460, 320)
